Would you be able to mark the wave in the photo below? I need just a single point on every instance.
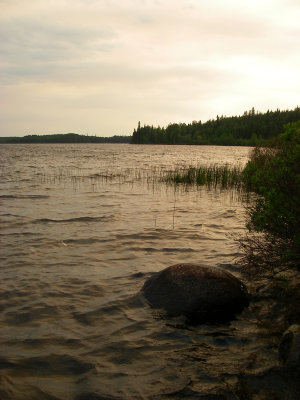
(86, 241)
(104, 218)
(52, 365)
(164, 249)
(30, 196)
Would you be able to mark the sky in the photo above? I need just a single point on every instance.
(98, 67)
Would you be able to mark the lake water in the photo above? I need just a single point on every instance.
(82, 227)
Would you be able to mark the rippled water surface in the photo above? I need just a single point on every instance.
(82, 227)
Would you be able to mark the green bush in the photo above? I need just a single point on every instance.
(274, 174)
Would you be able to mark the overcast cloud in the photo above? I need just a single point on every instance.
(100, 66)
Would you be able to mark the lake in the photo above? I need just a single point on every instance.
(82, 227)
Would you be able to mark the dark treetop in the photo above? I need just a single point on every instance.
(250, 129)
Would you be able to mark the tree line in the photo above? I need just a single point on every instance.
(250, 129)
(65, 138)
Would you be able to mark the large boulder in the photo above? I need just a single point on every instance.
(200, 293)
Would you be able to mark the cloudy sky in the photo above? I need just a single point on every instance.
(100, 66)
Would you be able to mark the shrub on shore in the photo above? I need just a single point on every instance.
(274, 219)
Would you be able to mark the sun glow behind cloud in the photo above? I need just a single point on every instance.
(98, 67)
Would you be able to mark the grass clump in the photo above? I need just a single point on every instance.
(212, 176)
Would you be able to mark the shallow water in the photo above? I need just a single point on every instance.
(82, 227)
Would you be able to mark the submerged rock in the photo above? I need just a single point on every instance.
(289, 349)
(201, 293)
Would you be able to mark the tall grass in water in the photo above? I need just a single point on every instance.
(212, 176)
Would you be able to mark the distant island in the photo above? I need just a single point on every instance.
(65, 138)
(250, 129)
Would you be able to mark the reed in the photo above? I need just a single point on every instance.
(212, 176)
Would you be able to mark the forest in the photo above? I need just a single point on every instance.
(65, 138)
(251, 129)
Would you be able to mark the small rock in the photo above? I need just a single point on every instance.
(200, 293)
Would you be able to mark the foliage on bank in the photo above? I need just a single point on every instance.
(274, 220)
(65, 138)
(250, 129)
